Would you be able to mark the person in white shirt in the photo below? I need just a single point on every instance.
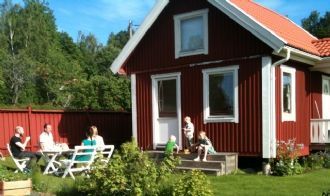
(46, 140)
(188, 131)
(99, 139)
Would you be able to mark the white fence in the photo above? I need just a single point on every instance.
(320, 131)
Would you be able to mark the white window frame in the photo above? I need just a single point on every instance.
(220, 118)
(177, 32)
(286, 116)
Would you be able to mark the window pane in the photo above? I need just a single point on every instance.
(167, 98)
(221, 97)
(326, 87)
(192, 34)
(287, 94)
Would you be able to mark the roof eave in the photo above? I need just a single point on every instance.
(300, 56)
(251, 24)
(138, 35)
(323, 65)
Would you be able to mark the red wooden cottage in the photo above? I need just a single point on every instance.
(244, 74)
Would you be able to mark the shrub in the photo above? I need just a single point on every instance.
(9, 175)
(286, 162)
(314, 161)
(130, 172)
(193, 183)
(317, 160)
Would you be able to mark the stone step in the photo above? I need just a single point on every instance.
(210, 171)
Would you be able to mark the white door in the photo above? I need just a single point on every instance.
(166, 107)
(326, 97)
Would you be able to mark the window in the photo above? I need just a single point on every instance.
(288, 94)
(191, 33)
(220, 89)
(167, 98)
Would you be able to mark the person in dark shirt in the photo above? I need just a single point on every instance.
(17, 147)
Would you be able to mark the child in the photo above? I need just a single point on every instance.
(189, 131)
(205, 144)
(170, 146)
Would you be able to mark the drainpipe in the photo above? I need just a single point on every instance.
(266, 166)
(287, 57)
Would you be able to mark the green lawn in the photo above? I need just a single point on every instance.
(312, 183)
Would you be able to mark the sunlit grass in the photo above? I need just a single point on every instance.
(311, 183)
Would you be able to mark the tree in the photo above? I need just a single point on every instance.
(317, 25)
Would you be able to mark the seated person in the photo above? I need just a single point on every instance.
(99, 139)
(47, 141)
(170, 145)
(89, 141)
(17, 147)
(204, 144)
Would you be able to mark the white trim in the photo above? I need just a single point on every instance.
(154, 80)
(299, 55)
(206, 109)
(177, 32)
(323, 66)
(134, 108)
(250, 23)
(273, 113)
(268, 112)
(324, 110)
(139, 34)
(292, 115)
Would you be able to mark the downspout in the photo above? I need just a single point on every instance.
(273, 100)
(287, 57)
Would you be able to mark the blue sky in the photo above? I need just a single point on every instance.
(101, 17)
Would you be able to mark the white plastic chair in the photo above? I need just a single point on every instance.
(71, 165)
(20, 163)
(106, 152)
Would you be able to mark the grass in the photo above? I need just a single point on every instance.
(312, 183)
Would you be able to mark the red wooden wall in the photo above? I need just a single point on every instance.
(300, 129)
(316, 94)
(227, 40)
(69, 127)
(243, 137)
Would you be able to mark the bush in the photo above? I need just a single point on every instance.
(317, 160)
(286, 162)
(130, 172)
(193, 183)
(9, 175)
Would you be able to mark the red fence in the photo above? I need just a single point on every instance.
(68, 126)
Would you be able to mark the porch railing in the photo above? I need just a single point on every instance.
(320, 131)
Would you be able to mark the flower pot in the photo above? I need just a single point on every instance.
(22, 187)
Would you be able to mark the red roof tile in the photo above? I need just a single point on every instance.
(323, 46)
(284, 28)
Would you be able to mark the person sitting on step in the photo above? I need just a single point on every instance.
(204, 144)
(170, 145)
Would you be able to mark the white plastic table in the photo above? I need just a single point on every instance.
(51, 156)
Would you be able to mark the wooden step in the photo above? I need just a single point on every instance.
(224, 162)
(210, 171)
(201, 164)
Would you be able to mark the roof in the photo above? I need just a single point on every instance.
(323, 46)
(260, 21)
(293, 34)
